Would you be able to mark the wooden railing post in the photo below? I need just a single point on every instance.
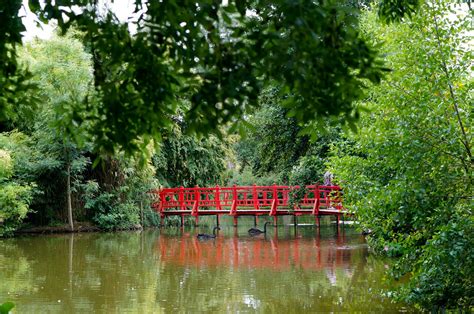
(317, 202)
(273, 210)
(255, 196)
(234, 192)
(197, 195)
(217, 198)
(195, 210)
(233, 208)
(161, 200)
(181, 198)
(275, 193)
(327, 200)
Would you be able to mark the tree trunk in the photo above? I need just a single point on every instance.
(69, 202)
(141, 214)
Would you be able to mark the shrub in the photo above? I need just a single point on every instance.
(14, 198)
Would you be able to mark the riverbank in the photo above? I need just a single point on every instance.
(78, 228)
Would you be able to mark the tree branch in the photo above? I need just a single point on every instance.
(464, 139)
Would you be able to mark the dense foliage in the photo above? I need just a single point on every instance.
(217, 54)
(15, 196)
(408, 172)
(118, 197)
(185, 160)
(276, 149)
(48, 176)
(13, 78)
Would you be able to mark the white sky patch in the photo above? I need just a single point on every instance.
(123, 10)
(31, 24)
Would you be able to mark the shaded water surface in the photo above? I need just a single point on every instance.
(171, 271)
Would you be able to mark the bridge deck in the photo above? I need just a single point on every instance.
(317, 200)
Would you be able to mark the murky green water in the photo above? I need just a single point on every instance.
(171, 271)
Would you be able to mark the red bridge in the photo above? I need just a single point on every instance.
(253, 200)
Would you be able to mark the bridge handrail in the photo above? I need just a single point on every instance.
(244, 196)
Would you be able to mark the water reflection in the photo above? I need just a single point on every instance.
(268, 252)
(171, 271)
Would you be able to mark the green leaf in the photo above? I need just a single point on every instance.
(34, 5)
(6, 307)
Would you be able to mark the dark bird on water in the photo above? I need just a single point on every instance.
(255, 231)
(204, 236)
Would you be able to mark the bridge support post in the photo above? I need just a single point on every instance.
(275, 221)
(255, 220)
(217, 220)
(196, 221)
(318, 221)
(235, 221)
(295, 221)
(182, 220)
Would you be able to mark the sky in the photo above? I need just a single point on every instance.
(30, 22)
(123, 9)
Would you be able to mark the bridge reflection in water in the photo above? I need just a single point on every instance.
(270, 252)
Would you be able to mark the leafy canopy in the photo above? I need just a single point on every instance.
(217, 55)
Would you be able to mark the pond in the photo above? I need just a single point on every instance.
(287, 271)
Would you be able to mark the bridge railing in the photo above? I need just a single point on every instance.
(248, 197)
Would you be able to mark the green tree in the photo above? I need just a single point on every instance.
(185, 160)
(63, 72)
(408, 173)
(113, 194)
(215, 54)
